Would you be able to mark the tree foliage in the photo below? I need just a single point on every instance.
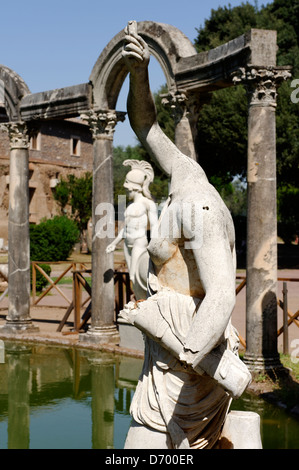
(288, 203)
(222, 124)
(53, 239)
(77, 192)
(222, 133)
(40, 280)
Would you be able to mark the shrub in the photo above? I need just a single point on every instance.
(41, 281)
(53, 239)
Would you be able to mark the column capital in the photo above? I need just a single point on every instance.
(18, 134)
(182, 104)
(261, 83)
(102, 122)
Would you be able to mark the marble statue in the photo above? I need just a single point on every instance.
(191, 368)
(4, 271)
(140, 217)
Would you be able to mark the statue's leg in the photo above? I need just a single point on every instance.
(138, 249)
(139, 258)
(141, 437)
(241, 430)
(127, 253)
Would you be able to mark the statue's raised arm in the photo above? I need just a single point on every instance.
(191, 367)
(140, 105)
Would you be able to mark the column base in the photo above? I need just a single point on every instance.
(17, 327)
(106, 334)
(258, 364)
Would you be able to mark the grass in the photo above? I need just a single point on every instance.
(281, 388)
(69, 280)
(290, 363)
(64, 280)
(287, 361)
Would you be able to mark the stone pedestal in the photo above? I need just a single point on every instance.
(18, 318)
(241, 430)
(103, 328)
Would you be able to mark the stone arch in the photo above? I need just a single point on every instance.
(12, 90)
(166, 43)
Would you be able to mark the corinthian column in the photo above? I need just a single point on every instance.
(103, 326)
(261, 301)
(18, 318)
(185, 111)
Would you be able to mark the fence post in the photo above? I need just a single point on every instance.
(2, 352)
(285, 320)
(77, 298)
(33, 282)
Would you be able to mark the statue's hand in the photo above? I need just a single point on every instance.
(110, 248)
(129, 311)
(130, 306)
(135, 51)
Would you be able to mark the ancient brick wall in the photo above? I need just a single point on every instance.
(60, 148)
(56, 144)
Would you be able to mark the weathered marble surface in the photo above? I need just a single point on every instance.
(191, 369)
(140, 217)
(4, 271)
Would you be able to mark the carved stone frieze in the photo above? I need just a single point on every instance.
(102, 122)
(18, 134)
(261, 83)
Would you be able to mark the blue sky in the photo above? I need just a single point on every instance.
(56, 43)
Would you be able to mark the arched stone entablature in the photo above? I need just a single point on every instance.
(166, 43)
(12, 90)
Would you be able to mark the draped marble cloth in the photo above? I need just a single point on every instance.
(174, 399)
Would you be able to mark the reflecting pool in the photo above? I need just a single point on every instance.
(64, 398)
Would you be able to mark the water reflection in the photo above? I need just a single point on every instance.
(65, 398)
(18, 391)
(279, 430)
(61, 398)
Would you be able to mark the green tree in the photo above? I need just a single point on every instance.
(224, 24)
(288, 203)
(222, 132)
(76, 192)
(223, 123)
(53, 239)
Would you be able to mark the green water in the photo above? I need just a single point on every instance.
(60, 398)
